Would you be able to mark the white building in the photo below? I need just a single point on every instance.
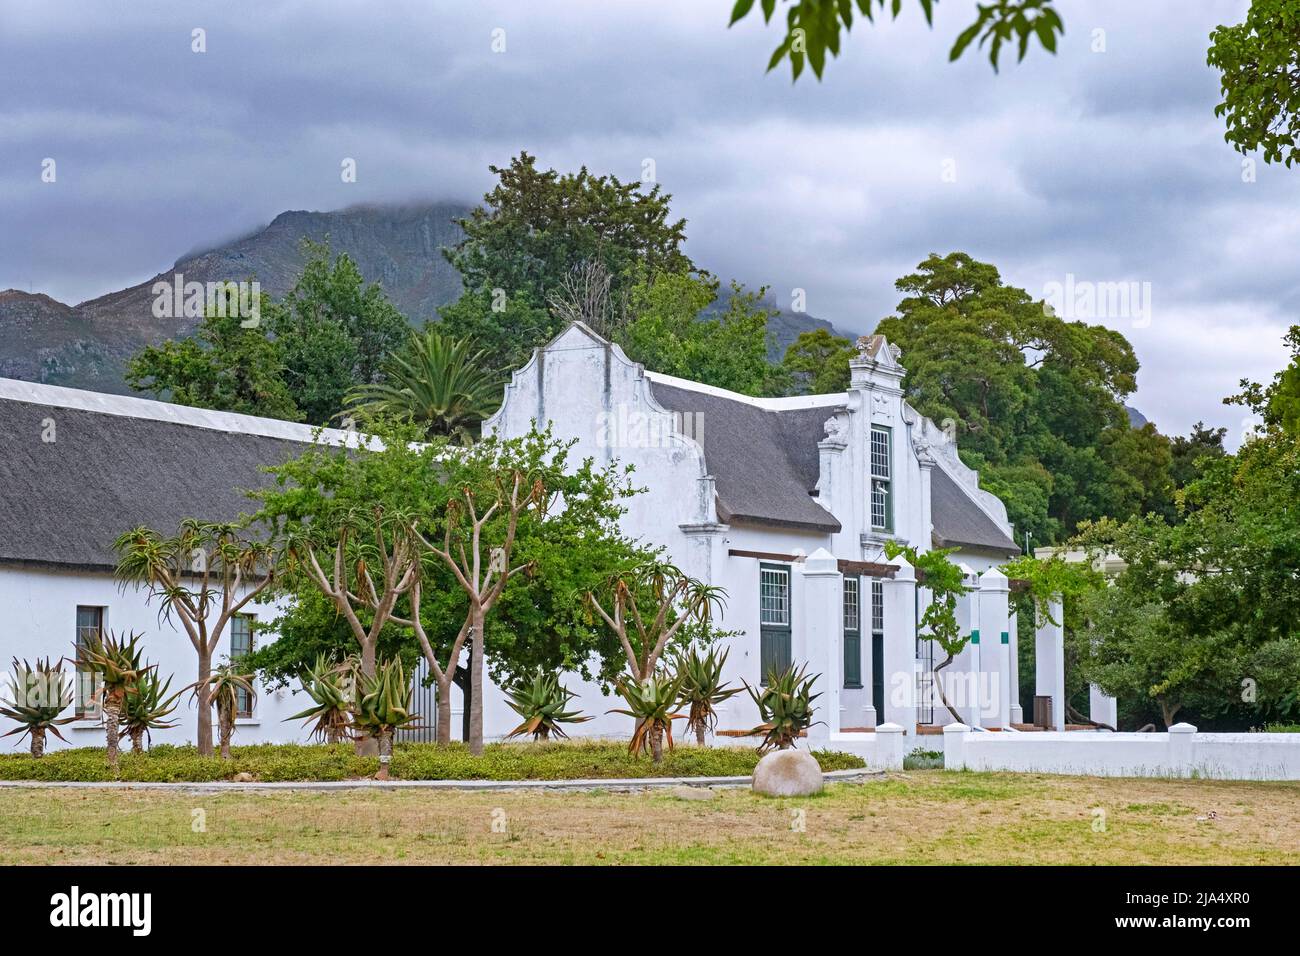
(785, 503)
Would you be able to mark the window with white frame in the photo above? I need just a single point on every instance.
(774, 596)
(241, 645)
(90, 628)
(882, 504)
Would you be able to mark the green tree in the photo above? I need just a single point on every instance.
(437, 382)
(1037, 402)
(727, 348)
(1259, 60)
(333, 332)
(813, 27)
(1277, 403)
(817, 362)
(1187, 451)
(533, 229)
(223, 366)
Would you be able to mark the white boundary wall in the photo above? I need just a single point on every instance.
(1182, 752)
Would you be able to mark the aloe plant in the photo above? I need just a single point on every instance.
(40, 694)
(651, 702)
(331, 687)
(785, 706)
(702, 688)
(383, 707)
(223, 687)
(541, 702)
(115, 664)
(147, 706)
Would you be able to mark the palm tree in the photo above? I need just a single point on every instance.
(438, 382)
(222, 689)
(115, 665)
(40, 694)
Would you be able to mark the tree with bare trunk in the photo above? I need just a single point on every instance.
(945, 582)
(222, 689)
(204, 575)
(647, 605)
(479, 524)
(114, 665)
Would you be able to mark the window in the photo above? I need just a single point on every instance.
(241, 645)
(882, 506)
(90, 625)
(773, 619)
(852, 632)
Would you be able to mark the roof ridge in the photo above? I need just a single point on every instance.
(788, 403)
(128, 406)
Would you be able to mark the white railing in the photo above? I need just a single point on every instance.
(1181, 752)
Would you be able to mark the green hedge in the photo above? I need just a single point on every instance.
(297, 762)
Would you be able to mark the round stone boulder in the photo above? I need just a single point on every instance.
(788, 773)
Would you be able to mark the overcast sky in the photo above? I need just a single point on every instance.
(1105, 165)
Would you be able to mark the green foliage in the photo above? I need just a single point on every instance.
(148, 704)
(506, 326)
(223, 366)
(39, 693)
(331, 333)
(1037, 402)
(922, 759)
(785, 707)
(1205, 615)
(437, 382)
(541, 702)
(652, 702)
(271, 763)
(945, 582)
(668, 332)
(817, 363)
(702, 687)
(1259, 60)
(1277, 403)
(814, 27)
(1052, 577)
(383, 700)
(224, 685)
(331, 687)
(114, 661)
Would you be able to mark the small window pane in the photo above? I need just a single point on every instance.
(90, 623)
(241, 644)
(852, 612)
(880, 452)
(774, 596)
(877, 607)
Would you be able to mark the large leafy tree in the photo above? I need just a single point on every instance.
(567, 539)
(331, 333)
(1036, 401)
(817, 362)
(334, 332)
(534, 228)
(726, 348)
(223, 366)
(1259, 60)
(814, 27)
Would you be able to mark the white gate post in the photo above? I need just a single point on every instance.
(995, 639)
(954, 746)
(1049, 660)
(822, 622)
(1017, 713)
(899, 650)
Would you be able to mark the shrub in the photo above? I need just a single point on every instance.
(301, 762)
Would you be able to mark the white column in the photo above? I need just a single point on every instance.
(1049, 661)
(822, 616)
(900, 646)
(995, 640)
(1103, 708)
(1017, 713)
(954, 746)
(1182, 750)
(962, 686)
(889, 747)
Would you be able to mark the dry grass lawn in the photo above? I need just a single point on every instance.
(915, 817)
